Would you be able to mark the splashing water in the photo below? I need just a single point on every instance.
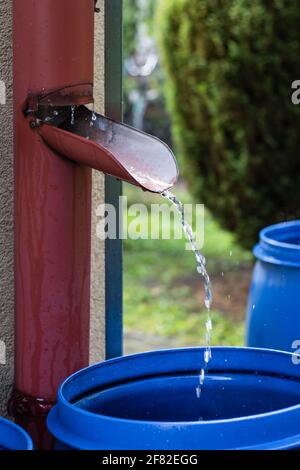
(52, 116)
(201, 269)
(73, 114)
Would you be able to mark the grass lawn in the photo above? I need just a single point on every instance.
(163, 294)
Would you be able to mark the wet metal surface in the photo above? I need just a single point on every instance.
(112, 147)
(53, 47)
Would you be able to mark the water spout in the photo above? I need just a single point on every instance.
(109, 146)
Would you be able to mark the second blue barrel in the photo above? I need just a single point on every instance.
(13, 437)
(274, 298)
(250, 400)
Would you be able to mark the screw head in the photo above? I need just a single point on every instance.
(34, 124)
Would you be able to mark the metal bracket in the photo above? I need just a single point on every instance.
(53, 104)
(75, 94)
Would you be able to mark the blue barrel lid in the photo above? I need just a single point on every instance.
(13, 437)
(82, 429)
(280, 244)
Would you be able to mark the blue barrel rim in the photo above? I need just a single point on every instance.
(24, 440)
(64, 408)
(273, 246)
(166, 351)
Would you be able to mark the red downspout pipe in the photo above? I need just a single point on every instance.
(53, 47)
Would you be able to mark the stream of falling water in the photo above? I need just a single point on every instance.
(73, 114)
(93, 117)
(201, 269)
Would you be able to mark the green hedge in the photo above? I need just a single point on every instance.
(135, 12)
(130, 25)
(229, 66)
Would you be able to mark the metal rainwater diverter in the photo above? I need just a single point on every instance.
(88, 138)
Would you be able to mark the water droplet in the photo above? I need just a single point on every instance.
(94, 117)
(207, 356)
(207, 303)
(201, 377)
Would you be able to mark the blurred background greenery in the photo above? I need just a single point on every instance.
(212, 78)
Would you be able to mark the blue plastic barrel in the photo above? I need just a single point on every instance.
(250, 400)
(274, 298)
(12, 437)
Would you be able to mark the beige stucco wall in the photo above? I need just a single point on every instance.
(97, 329)
(6, 208)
